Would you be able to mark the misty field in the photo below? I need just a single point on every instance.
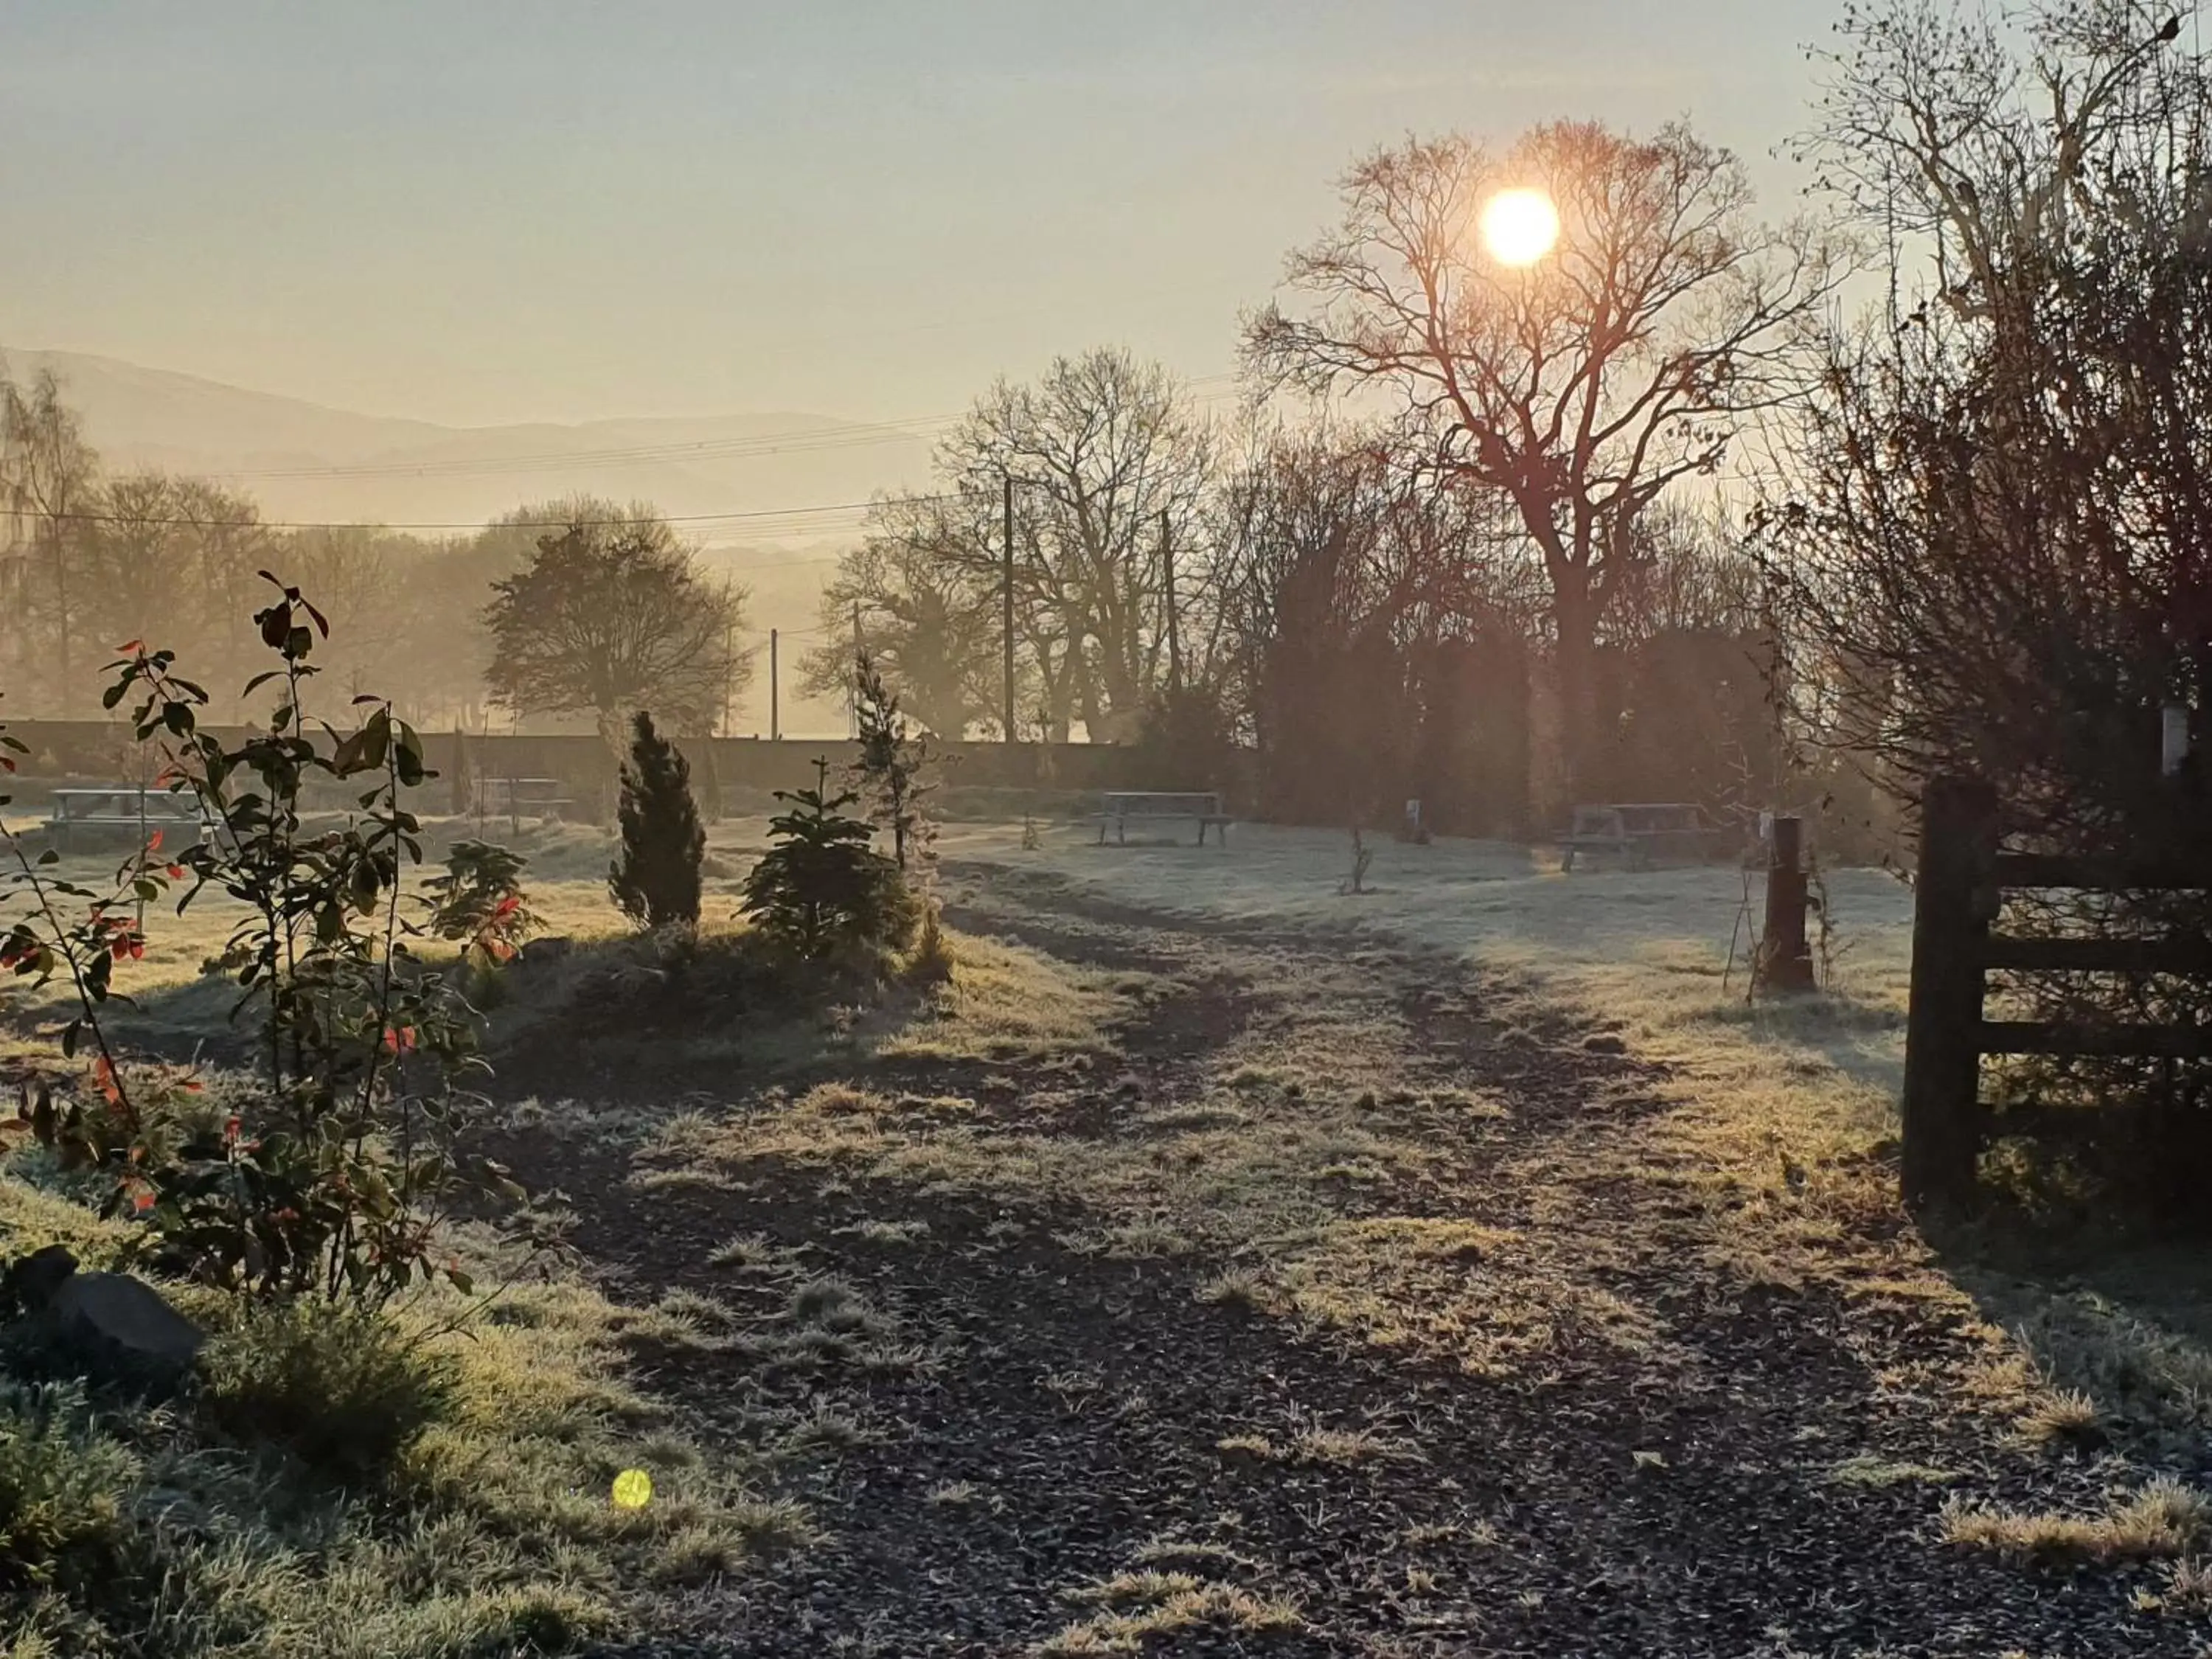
(1218, 1263)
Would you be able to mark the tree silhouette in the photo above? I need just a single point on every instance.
(607, 618)
(656, 880)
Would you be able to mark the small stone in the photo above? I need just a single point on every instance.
(1604, 1043)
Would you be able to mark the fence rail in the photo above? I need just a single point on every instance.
(1963, 879)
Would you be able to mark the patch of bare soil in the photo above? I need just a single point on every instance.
(1101, 1454)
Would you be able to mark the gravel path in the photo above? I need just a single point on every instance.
(1070, 1430)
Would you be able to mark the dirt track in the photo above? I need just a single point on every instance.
(1690, 1494)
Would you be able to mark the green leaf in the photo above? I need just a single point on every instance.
(70, 1033)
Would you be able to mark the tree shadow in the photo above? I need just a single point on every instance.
(2125, 1321)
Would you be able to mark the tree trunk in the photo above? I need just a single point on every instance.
(1575, 653)
(61, 617)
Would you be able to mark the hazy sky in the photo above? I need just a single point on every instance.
(486, 210)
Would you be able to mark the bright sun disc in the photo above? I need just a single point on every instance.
(1519, 226)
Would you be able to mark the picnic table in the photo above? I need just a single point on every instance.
(107, 808)
(1640, 831)
(518, 797)
(1119, 806)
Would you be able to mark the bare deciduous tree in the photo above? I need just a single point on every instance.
(1583, 387)
(929, 618)
(47, 472)
(1103, 452)
(2002, 531)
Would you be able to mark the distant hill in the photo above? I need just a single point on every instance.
(304, 462)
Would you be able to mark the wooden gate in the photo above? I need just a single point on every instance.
(1958, 895)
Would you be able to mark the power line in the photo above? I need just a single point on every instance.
(772, 443)
(845, 435)
(481, 523)
(793, 517)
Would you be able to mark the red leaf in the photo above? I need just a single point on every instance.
(104, 1073)
(154, 842)
(230, 1125)
(176, 872)
(129, 647)
(141, 1200)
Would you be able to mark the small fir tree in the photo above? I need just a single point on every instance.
(894, 766)
(656, 880)
(822, 891)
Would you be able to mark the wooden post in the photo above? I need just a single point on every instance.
(774, 690)
(1785, 959)
(1951, 909)
(1007, 603)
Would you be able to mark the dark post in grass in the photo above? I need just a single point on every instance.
(1785, 959)
(1951, 915)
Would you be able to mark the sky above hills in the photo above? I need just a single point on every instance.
(519, 210)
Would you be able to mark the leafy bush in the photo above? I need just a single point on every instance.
(338, 1385)
(656, 880)
(480, 903)
(338, 1177)
(822, 891)
(61, 1519)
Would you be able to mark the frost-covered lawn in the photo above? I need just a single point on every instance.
(1645, 952)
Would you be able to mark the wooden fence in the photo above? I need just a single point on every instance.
(1959, 894)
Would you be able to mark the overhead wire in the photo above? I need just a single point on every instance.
(791, 518)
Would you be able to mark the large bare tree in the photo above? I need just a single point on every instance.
(1581, 388)
(916, 591)
(1107, 457)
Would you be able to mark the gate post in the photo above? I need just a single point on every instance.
(1941, 1110)
(1785, 959)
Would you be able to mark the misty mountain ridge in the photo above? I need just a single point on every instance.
(306, 462)
(292, 456)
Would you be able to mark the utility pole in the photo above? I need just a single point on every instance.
(1167, 577)
(729, 677)
(853, 685)
(1007, 585)
(774, 710)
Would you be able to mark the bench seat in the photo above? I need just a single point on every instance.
(1202, 808)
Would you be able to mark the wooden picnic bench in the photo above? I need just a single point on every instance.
(107, 810)
(517, 798)
(1119, 806)
(1640, 831)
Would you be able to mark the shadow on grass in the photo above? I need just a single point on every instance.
(2125, 1323)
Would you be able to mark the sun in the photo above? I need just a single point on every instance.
(1519, 226)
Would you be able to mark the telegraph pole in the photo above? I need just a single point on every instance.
(774, 711)
(729, 677)
(1007, 586)
(1167, 577)
(853, 685)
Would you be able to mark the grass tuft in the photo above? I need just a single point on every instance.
(2163, 1520)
